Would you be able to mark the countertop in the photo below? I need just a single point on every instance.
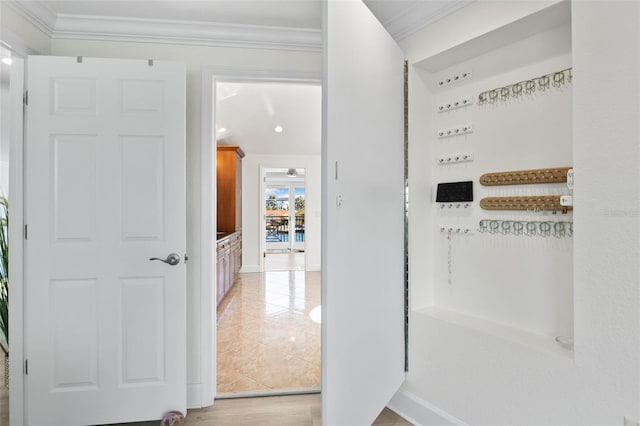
(223, 235)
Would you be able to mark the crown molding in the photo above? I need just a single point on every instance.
(186, 33)
(420, 15)
(84, 27)
(37, 12)
(137, 30)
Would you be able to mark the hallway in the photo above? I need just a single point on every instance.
(268, 338)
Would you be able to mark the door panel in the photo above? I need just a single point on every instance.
(363, 290)
(143, 187)
(142, 339)
(104, 192)
(74, 335)
(74, 183)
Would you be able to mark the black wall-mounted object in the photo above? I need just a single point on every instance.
(454, 192)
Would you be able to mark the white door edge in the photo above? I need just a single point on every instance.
(20, 47)
(16, 248)
(210, 76)
(263, 219)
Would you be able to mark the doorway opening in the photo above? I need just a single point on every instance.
(268, 333)
(12, 54)
(284, 219)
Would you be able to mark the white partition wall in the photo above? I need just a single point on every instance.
(363, 216)
(482, 347)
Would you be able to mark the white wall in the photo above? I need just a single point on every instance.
(463, 375)
(252, 206)
(5, 128)
(194, 57)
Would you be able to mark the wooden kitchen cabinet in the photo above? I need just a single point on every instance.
(229, 217)
(229, 188)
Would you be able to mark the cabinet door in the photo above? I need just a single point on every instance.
(220, 275)
(232, 262)
(363, 222)
(239, 255)
(227, 270)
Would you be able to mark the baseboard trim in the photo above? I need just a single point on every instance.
(313, 267)
(420, 412)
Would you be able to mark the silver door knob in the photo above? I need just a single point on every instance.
(173, 259)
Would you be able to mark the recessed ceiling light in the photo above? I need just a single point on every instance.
(222, 129)
(7, 61)
(278, 129)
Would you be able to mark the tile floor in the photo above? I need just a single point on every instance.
(284, 262)
(267, 337)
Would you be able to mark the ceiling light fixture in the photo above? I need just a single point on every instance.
(222, 129)
(278, 129)
(292, 173)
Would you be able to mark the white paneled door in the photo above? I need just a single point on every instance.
(105, 326)
(363, 249)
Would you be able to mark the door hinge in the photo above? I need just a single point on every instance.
(25, 232)
(26, 367)
(25, 98)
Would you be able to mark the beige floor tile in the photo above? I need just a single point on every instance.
(284, 262)
(265, 333)
(238, 381)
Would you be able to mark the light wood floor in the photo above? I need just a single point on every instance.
(292, 410)
(4, 395)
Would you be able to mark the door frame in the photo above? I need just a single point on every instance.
(263, 233)
(17, 389)
(211, 74)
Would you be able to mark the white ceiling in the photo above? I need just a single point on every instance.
(253, 111)
(250, 113)
(218, 22)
